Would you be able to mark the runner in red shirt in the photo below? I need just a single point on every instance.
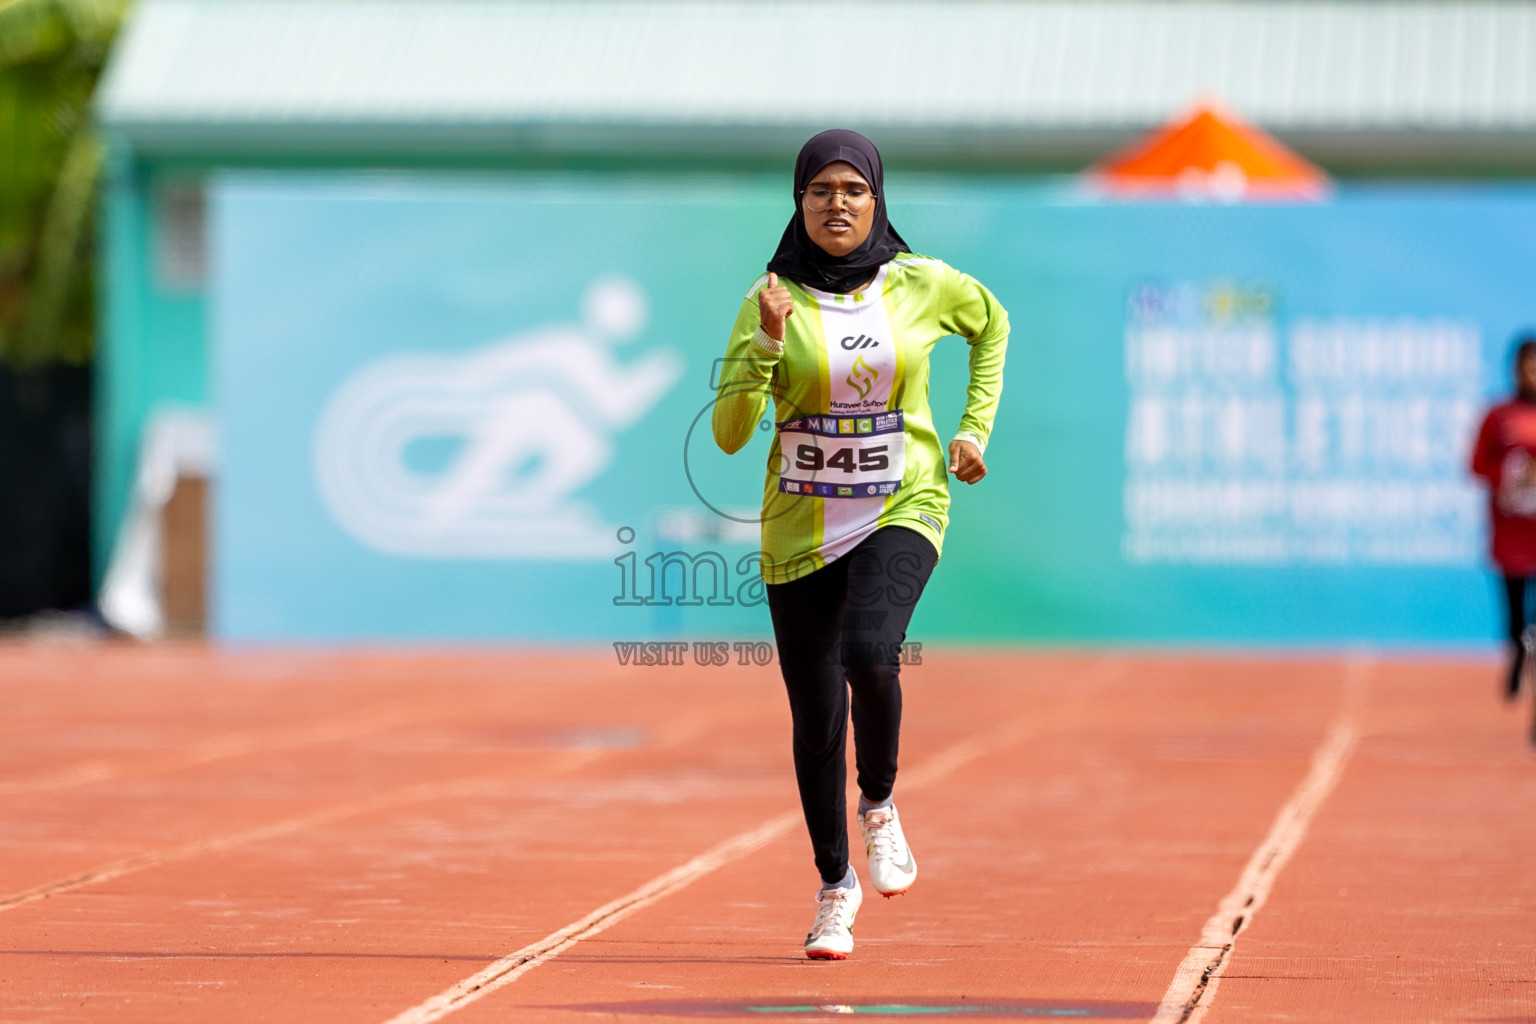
(1505, 456)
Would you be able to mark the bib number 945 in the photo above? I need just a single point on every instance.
(869, 460)
(843, 456)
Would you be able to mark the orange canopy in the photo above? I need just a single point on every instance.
(1209, 154)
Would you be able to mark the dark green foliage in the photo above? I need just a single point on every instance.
(51, 54)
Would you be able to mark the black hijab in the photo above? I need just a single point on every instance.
(802, 260)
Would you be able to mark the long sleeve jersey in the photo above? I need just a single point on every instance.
(855, 446)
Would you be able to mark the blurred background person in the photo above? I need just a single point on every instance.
(1505, 457)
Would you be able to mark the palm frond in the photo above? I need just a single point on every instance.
(51, 54)
(32, 30)
(58, 254)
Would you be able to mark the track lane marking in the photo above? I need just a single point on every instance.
(228, 745)
(939, 766)
(288, 826)
(514, 965)
(286, 736)
(1193, 989)
(669, 735)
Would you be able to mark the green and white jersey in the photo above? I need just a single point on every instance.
(855, 447)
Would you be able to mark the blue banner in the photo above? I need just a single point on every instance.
(468, 411)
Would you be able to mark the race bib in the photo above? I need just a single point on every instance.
(843, 456)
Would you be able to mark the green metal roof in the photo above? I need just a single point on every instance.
(962, 76)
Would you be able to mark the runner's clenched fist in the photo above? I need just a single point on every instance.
(965, 461)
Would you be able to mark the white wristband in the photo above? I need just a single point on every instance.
(966, 435)
(767, 342)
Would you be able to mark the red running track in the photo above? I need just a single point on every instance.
(193, 835)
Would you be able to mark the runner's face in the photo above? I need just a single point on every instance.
(1525, 374)
(836, 229)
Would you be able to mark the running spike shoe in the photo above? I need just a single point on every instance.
(892, 868)
(831, 936)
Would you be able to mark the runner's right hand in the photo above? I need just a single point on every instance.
(774, 306)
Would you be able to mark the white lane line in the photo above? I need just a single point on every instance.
(512, 966)
(455, 789)
(283, 736)
(667, 736)
(229, 745)
(947, 761)
(1193, 988)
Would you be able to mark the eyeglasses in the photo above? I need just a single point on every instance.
(855, 200)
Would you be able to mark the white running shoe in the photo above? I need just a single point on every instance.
(831, 936)
(892, 868)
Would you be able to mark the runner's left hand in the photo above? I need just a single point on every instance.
(965, 461)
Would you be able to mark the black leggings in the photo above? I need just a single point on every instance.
(841, 628)
(1515, 614)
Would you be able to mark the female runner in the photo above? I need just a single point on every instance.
(856, 499)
